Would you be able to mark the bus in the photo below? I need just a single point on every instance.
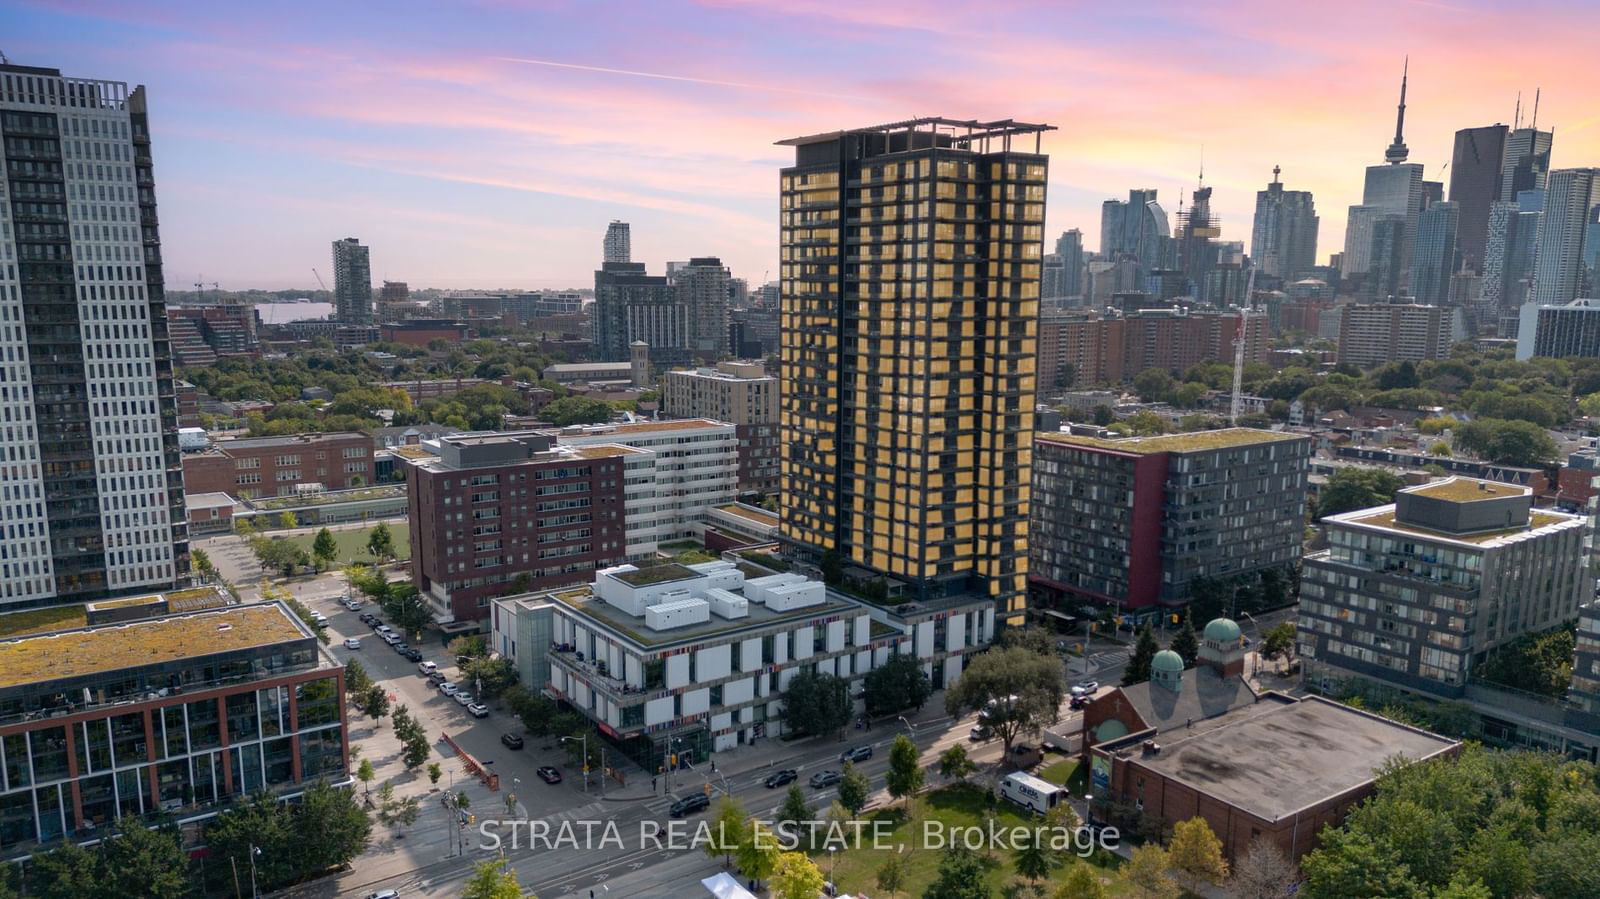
(1031, 792)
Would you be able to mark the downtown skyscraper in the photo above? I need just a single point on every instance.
(1069, 246)
(702, 289)
(618, 244)
(91, 479)
(1475, 186)
(352, 282)
(1283, 236)
(1393, 188)
(910, 266)
(1571, 211)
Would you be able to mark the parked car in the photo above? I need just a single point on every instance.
(390, 637)
(436, 678)
(548, 774)
(412, 654)
(980, 733)
(463, 697)
(448, 688)
(511, 741)
(856, 754)
(824, 779)
(426, 668)
(384, 894)
(779, 778)
(478, 710)
(690, 804)
(366, 618)
(400, 646)
(1087, 688)
(352, 643)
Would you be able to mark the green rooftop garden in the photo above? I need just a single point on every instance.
(39, 621)
(300, 501)
(654, 574)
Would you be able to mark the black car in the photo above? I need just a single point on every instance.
(375, 622)
(779, 778)
(857, 754)
(413, 655)
(436, 678)
(824, 779)
(548, 774)
(690, 804)
(511, 741)
(366, 617)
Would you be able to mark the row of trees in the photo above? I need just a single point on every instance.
(400, 601)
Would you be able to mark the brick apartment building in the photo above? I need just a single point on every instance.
(741, 393)
(1109, 350)
(422, 331)
(280, 466)
(493, 514)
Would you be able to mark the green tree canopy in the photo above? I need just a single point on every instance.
(817, 703)
(991, 679)
(896, 685)
(1349, 489)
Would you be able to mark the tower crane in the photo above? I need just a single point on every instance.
(319, 279)
(1238, 348)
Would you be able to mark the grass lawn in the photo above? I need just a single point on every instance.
(855, 870)
(353, 543)
(37, 621)
(1069, 774)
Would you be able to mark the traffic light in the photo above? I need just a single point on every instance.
(1174, 618)
(673, 759)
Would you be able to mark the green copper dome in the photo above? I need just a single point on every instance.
(1222, 630)
(1166, 661)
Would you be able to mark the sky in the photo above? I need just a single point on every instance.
(487, 144)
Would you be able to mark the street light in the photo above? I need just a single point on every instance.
(253, 853)
(584, 739)
(909, 726)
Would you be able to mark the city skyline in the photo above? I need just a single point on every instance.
(490, 148)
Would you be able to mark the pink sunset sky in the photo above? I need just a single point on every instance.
(487, 144)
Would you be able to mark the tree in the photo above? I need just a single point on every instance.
(142, 861)
(490, 880)
(380, 542)
(288, 521)
(331, 827)
(854, 788)
(955, 764)
(896, 685)
(1278, 641)
(1080, 882)
(395, 811)
(366, 775)
(489, 677)
(1033, 857)
(794, 810)
(434, 773)
(258, 822)
(244, 527)
(202, 563)
(1147, 424)
(1186, 643)
(1507, 442)
(817, 703)
(576, 410)
(376, 702)
(728, 830)
(993, 678)
(535, 710)
(1263, 872)
(1349, 489)
(796, 877)
(414, 744)
(1137, 670)
(1196, 854)
(891, 875)
(961, 876)
(1154, 385)
(279, 554)
(1538, 663)
(356, 680)
(1146, 873)
(904, 777)
(324, 548)
(1349, 863)
(66, 872)
(407, 609)
(757, 854)
(1103, 415)
(1498, 860)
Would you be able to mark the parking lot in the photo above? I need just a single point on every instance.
(441, 714)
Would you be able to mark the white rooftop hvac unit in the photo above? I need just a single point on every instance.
(796, 596)
(678, 613)
(726, 604)
(757, 589)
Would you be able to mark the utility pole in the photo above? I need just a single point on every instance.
(584, 740)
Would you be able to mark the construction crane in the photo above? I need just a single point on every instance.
(319, 280)
(1238, 349)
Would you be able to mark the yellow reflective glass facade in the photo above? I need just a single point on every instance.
(909, 285)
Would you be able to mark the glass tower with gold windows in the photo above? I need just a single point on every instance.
(911, 258)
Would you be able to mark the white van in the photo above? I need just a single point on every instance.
(1032, 792)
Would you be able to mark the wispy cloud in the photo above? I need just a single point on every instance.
(741, 85)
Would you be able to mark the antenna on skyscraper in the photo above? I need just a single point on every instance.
(1535, 123)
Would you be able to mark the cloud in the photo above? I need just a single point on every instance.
(663, 77)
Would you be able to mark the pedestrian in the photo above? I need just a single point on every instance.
(652, 784)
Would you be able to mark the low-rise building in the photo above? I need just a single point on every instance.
(1133, 522)
(209, 513)
(493, 514)
(1254, 766)
(1415, 593)
(280, 466)
(741, 393)
(739, 524)
(170, 715)
(691, 659)
(588, 372)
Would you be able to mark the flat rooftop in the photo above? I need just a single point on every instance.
(645, 575)
(207, 501)
(1466, 490)
(751, 514)
(94, 650)
(1226, 438)
(1383, 517)
(583, 601)
(641, 427)
(288, 440)
(1287, 757)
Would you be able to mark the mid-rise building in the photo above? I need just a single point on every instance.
(1414, 594)
(682, 660)
(493, 514)
(1283, 237)
(93, 489)
(1069, 246)
(163, 707)
(1512, 253)
(1559, 332)
(1132, 523)
(1571, 210)
(702, 288)
(631, 305)
(1475, 186)
(910, 285)
(1110, 349)
(287, 465)
(1585, 689)
(741, 393)
(1436, 254)
(618, 245)
(1386, 262)
(1375, 333)
(352, 282)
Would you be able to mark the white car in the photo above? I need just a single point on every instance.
(478, 710)
(448, 688)
(463, 697)
(319, 618)
(426, 668)
(352, 643)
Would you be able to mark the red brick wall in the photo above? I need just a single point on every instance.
(208, 473)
